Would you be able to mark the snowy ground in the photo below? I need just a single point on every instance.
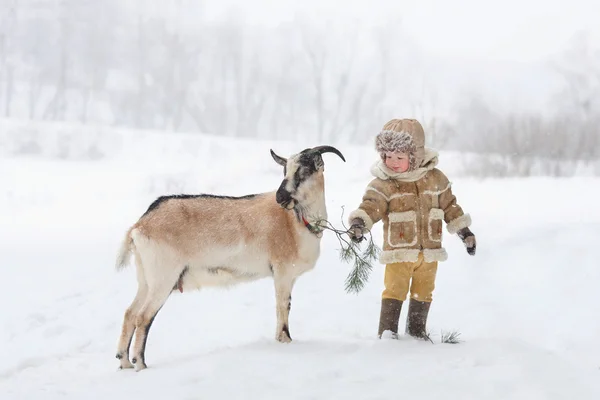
(527, 305)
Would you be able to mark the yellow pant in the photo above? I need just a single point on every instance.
(398, 276)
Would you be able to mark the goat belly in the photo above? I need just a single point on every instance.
(198, 277)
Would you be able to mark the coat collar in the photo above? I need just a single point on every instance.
(381, 171)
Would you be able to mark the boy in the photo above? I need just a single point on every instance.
(412, 197)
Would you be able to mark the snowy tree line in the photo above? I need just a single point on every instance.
(128, 65)
(559, 142)
(122, 64)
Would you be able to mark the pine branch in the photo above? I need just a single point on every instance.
(451, 337)
(362, 265)
(350, 252)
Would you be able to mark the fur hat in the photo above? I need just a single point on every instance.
(403, 135)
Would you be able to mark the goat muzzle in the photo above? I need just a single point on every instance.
(283, 197)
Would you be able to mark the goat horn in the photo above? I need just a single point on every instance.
(328, 149)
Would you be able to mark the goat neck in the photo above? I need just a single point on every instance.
(310, 204)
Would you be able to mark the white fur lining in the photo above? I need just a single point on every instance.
(437, 192)
(434, 255)
(360, 213)
(401, 255)
(430, 160)
(434, 213)
(398, 195)
(457, 224)
(402, 132)
(412, 255)
(371, 188)
(404, 216)
(393, 196)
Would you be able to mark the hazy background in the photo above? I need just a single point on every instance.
(517, 83)
(106, 105)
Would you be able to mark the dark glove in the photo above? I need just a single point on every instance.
(356, 230)
(468, 239)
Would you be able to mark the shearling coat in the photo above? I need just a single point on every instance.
(412, 206)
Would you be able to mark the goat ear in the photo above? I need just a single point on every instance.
(279, 160)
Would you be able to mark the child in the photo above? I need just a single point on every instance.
(412, 197)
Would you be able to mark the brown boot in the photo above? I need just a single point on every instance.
(390, 314)
(416, 322)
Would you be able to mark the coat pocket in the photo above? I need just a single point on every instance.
(402, 230)
(434, 226)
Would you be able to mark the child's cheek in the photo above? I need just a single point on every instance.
(405, 165)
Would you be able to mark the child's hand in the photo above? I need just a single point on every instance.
(356, 230)
(468, 239)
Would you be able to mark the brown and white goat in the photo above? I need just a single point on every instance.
(186, 242)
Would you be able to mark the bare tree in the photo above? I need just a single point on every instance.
(579, 102)
(317, 58)
(57, 107)
(8, 27)
(127, 64)
(95, 48)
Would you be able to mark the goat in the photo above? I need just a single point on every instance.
(186, 242)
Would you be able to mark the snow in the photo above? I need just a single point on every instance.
(526, 305)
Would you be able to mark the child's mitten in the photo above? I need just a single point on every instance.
(356, 230)
(468, 239)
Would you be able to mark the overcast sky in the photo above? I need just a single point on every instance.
(502, 47)
(520, 30)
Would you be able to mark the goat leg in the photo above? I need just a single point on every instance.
(283, 298)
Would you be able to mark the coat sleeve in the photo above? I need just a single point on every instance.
(454, 216)
(373, 207)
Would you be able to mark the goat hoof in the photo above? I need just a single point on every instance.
(125, 364)
(139, 366)
(284, 338)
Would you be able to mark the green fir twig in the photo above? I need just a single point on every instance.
(451, 337)
(350, 252)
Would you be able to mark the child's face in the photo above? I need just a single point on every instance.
(397, 162)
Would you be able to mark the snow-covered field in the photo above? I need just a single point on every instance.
(527, 306)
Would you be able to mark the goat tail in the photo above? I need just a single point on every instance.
(125, 250)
